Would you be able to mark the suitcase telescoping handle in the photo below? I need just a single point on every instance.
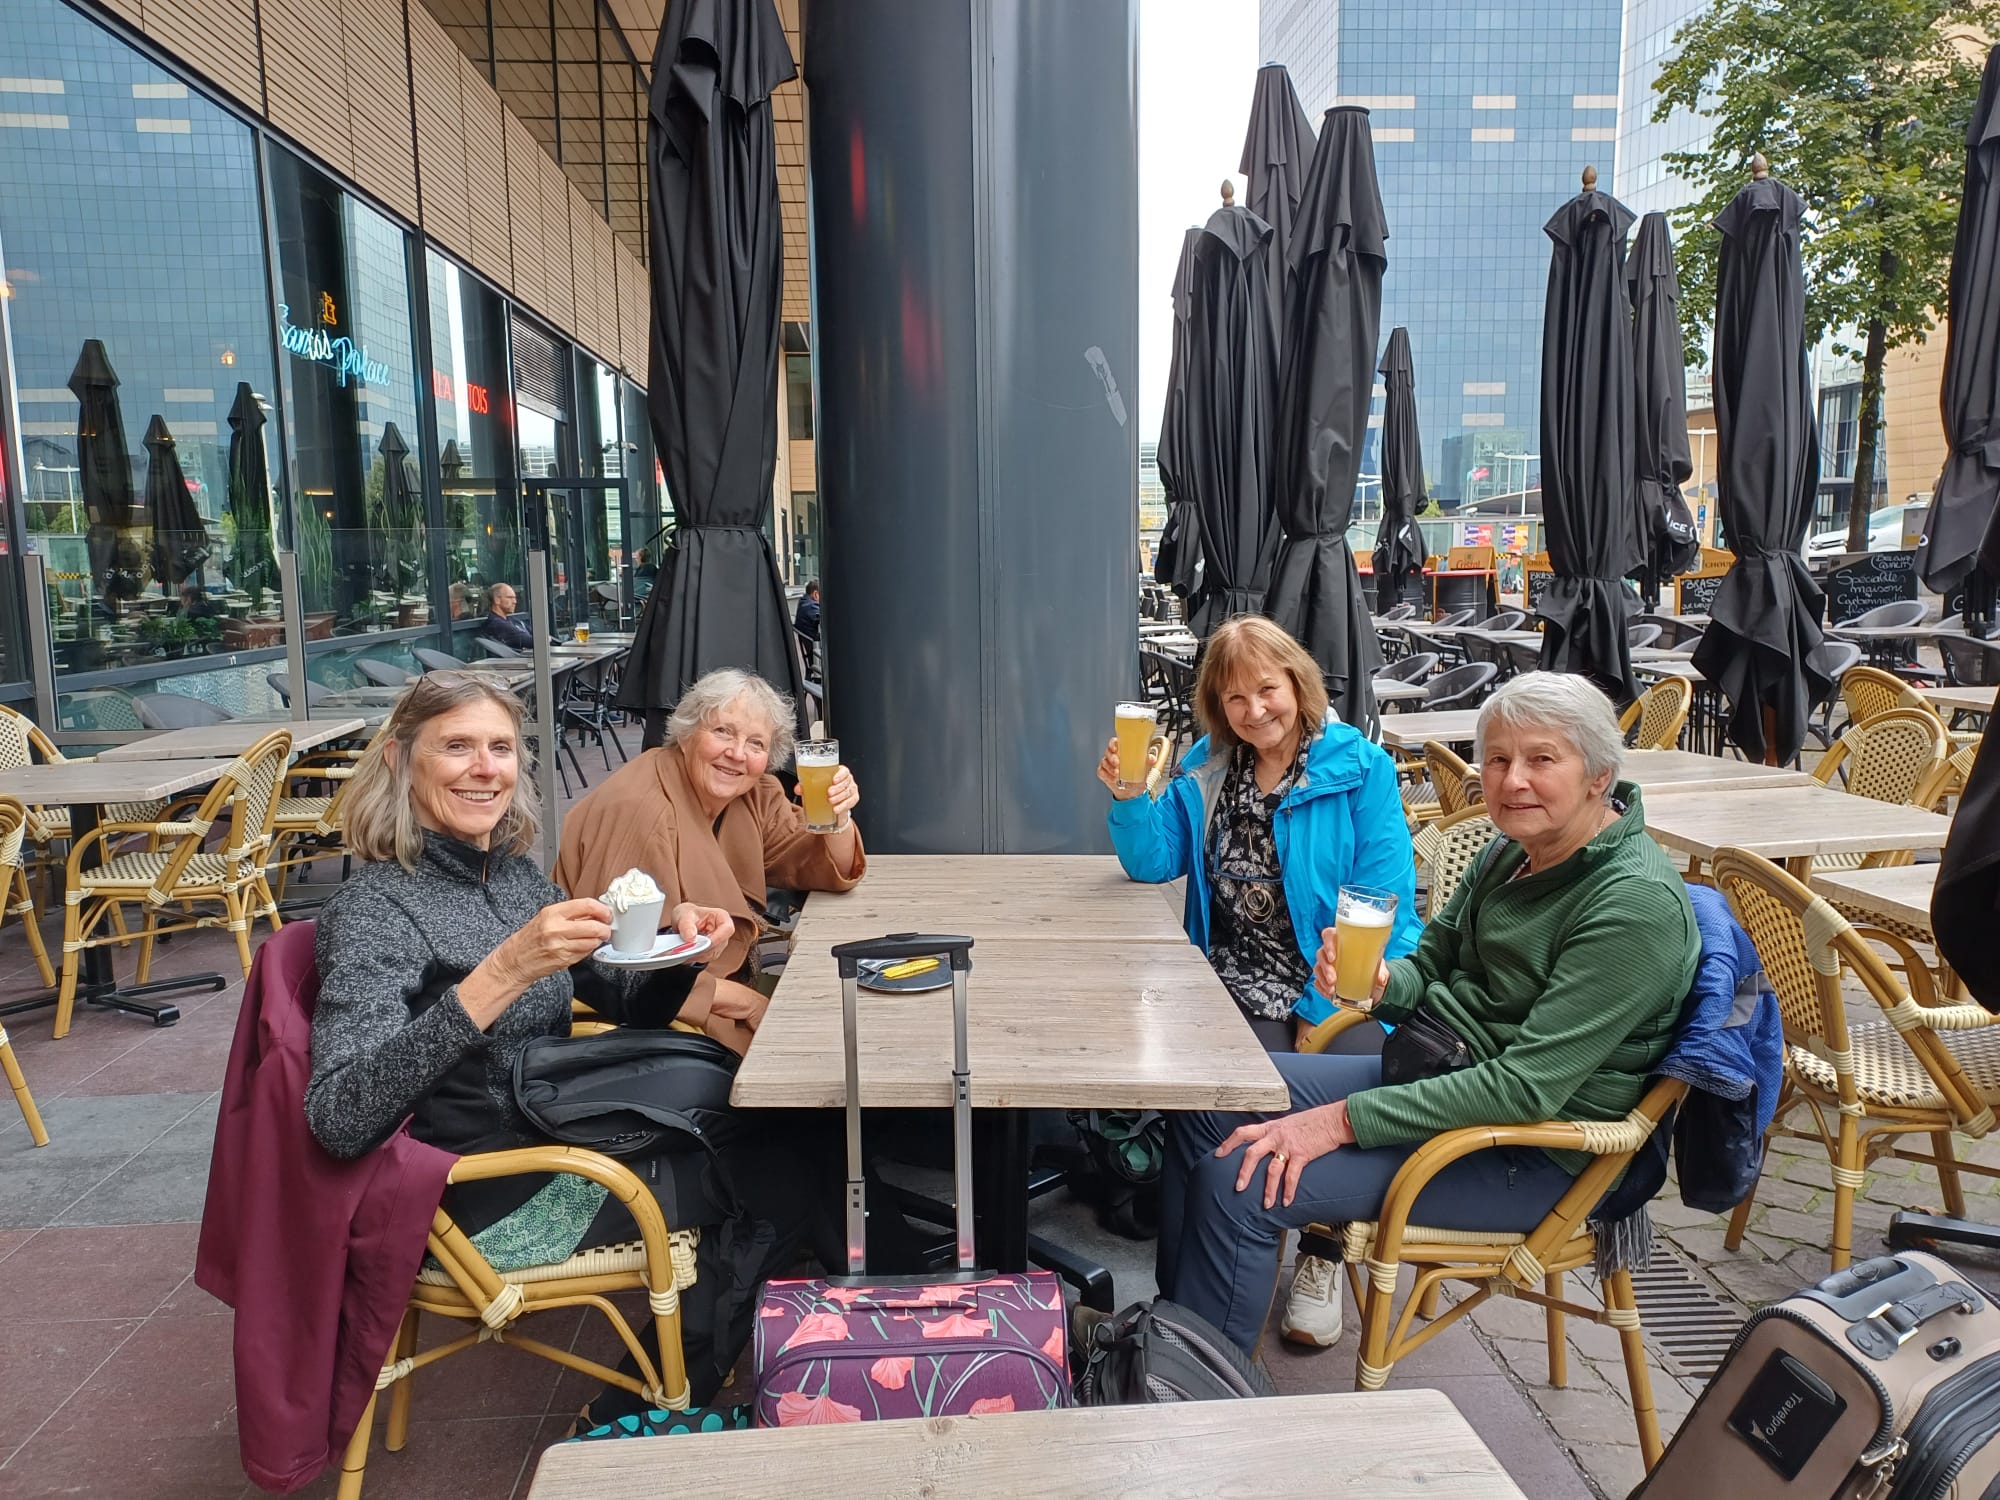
(849, 957)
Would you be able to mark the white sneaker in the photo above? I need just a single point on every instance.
(1312, 1312)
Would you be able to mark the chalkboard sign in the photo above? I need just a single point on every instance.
(1877, 579)
(1539, 576)
(1697, 592)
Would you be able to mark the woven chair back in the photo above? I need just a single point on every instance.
(1448, 849)
(1889, 756)
(1946, 780)
(1868, 691)
(22, 742)
(1663, 709)
(1969, 661)
(13, 827)
(1805, 945)
(257, 774)
(1457, 788)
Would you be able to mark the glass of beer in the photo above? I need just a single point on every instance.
(1363, 923)
(817, 761)
(1137, 724)
(582, 634)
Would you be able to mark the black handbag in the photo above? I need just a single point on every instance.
(625, 1092)
(1422, 1046)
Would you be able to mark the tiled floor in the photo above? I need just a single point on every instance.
(115, 1369)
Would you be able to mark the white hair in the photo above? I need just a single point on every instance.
(1566, 703)
(703, 703)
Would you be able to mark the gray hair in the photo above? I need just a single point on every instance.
(378, 816)
(703, 703)
(1571, 705)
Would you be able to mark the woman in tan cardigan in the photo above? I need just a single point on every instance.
(705, 818)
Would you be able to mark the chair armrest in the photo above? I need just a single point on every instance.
(1323, 1034)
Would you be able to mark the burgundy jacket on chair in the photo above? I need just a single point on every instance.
(317, 1256)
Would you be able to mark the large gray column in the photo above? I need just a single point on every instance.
(974, 172)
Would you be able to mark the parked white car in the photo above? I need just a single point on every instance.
(1885, 532)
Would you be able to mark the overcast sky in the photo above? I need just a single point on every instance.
(1197, 69)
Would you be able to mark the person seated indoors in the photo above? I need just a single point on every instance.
(1561, 961)
(448, 951)
(703, 815)
(1274, 809)
(501, 623)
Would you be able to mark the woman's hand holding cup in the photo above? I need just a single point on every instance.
(1326, 968)
(1107, 771)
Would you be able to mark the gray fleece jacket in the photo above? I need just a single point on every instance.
(390, 1038)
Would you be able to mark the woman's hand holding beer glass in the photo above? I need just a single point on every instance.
(1350, 969)
(1109, 767)
(1129, 758)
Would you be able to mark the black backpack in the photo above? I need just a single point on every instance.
(1158, 1351)
(626, 1092)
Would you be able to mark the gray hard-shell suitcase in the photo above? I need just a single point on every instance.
(1883, 1381)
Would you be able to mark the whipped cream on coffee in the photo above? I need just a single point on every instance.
(634, 888)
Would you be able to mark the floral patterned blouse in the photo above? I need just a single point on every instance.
(1252, 945)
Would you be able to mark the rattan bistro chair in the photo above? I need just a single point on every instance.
(458, 1282)
(182, 871)
(1916, 1067)
(1530, 1266)
(15, 898)
(1890, 757)
(1868, 691)
(1447, 784)
(1658, 714)
(1446, 851)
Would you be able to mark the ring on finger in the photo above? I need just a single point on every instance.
(1280, 1157)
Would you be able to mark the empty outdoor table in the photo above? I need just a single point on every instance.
(1664, 772)
(1392, 691)
(231, 738)
(1790, 824)
(1643, 654)
(1451, 726)
(83, 786)
(1899, 896)
(1969, 700)
(1388, 1445)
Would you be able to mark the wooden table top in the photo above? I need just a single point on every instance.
(1389, 1445)
(1069, 898)
(1397, 692)
(1790, 822)
(1504, 637)
(1888, 632)
(76, 783)
(1660, 654)
(1078, 1000)
(1978, 700)
(227, 741)
(1451, 726)
(1659, 772)
(1681, 668)
(1902, 893)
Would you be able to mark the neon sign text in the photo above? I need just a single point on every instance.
(347, 360)
(477, 400)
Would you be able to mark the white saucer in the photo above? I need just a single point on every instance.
(667, 951)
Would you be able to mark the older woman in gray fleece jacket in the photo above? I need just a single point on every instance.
(448, 951)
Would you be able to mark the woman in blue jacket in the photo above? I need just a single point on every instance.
(1275, 808)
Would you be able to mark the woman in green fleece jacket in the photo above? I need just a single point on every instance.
(1562, 960)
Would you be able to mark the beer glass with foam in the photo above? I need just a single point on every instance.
(1137, 723)
(817, 761)
(1363, 923)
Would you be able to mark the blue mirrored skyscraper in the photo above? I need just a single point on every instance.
(1484, 118)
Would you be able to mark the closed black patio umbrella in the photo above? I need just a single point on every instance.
(1589, 481)
(180, 536)
(1765, 620)
(252, 565)
(716, 273)
(1963, 512)
(1232, 379)
(104, 476)
(1277, 156)
(1399, 543)
(1178, 562)
(1326, 377)
(400, 519)
(1666, 527)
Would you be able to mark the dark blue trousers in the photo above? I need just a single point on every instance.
(1219, 1249)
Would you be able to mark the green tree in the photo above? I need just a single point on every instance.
(1861, 108)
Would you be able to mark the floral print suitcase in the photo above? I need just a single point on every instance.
(853, 1350)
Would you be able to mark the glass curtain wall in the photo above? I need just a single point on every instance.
(140, 325)
(361, 530)
(475, 435)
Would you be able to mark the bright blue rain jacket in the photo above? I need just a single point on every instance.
(1341, 824)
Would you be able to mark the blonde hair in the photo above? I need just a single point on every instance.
(1247, 646)
(712, 693)
(379, 816)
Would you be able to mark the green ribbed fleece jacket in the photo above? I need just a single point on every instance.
(1566, 984)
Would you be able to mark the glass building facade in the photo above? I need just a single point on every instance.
(1484, 117)
(268, 321)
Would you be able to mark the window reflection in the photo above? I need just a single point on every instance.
(361, 531)
(475, 435)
